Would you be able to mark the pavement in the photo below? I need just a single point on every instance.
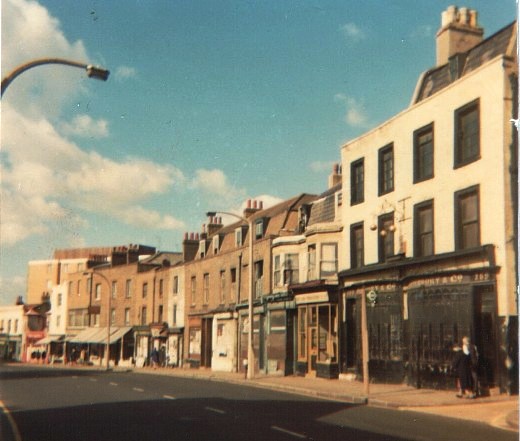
(498, 410)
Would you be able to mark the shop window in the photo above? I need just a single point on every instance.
(357, 182)
(467, 218)
(327, 333)
(302, 333)
(386, 169)
(423, 154)
(277, 321)
(195, 339)
(423, 229)
(467, 134)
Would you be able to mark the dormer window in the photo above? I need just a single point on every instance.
(202, 249)
(216, 244)
(259, 229)
(238, 237)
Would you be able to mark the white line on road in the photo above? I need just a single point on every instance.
(212, 409)
(112, 383)
(297, 435)
(93, 379)
(138, 389)
(168, 397)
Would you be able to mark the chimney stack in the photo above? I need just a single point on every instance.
(459, 33)
(253, 207)
(214, 224)
(190, 246)
(335, 176)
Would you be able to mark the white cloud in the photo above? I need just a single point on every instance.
(86, 126)
(355, 115)
(215, 182)
(35, 34)
(125, 72)
(352, 32)
(38, 187)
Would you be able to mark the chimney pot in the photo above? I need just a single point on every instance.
(249, 203)
(255, 204)
(261, 205)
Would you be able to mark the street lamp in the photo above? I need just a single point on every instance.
(250, 352)
(109, 311)
(96, 72)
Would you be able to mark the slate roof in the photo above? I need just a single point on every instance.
(502, 42)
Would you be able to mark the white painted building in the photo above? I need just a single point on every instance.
(430, 214)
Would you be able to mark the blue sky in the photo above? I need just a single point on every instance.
(208, 104)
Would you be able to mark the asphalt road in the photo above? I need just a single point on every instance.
(45, 404)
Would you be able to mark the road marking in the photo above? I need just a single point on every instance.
(11, 420)
(168, 397)
(212, 409)
(112, 383)
(138, 389)
(93, 379)
(297, 435)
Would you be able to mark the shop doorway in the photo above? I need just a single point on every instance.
(207, 338)
(484, 308)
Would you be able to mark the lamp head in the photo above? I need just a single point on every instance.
(97, 72)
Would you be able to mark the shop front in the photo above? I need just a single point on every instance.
(417, 311)
(317, 333)
(224, 342)
(194, 337)
(174, 347)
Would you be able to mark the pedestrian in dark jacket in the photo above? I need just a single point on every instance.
(471, 349)
(462, 367)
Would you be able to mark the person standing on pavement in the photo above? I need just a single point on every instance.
(462, 367)
(155, 357)
(470, 349)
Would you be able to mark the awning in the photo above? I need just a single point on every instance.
(50, 339)
(99, 335)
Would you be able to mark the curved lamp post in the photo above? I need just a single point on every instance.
(109, 310)
(96, 72)
(250, 352)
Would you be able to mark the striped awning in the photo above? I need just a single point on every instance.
(99, 335)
